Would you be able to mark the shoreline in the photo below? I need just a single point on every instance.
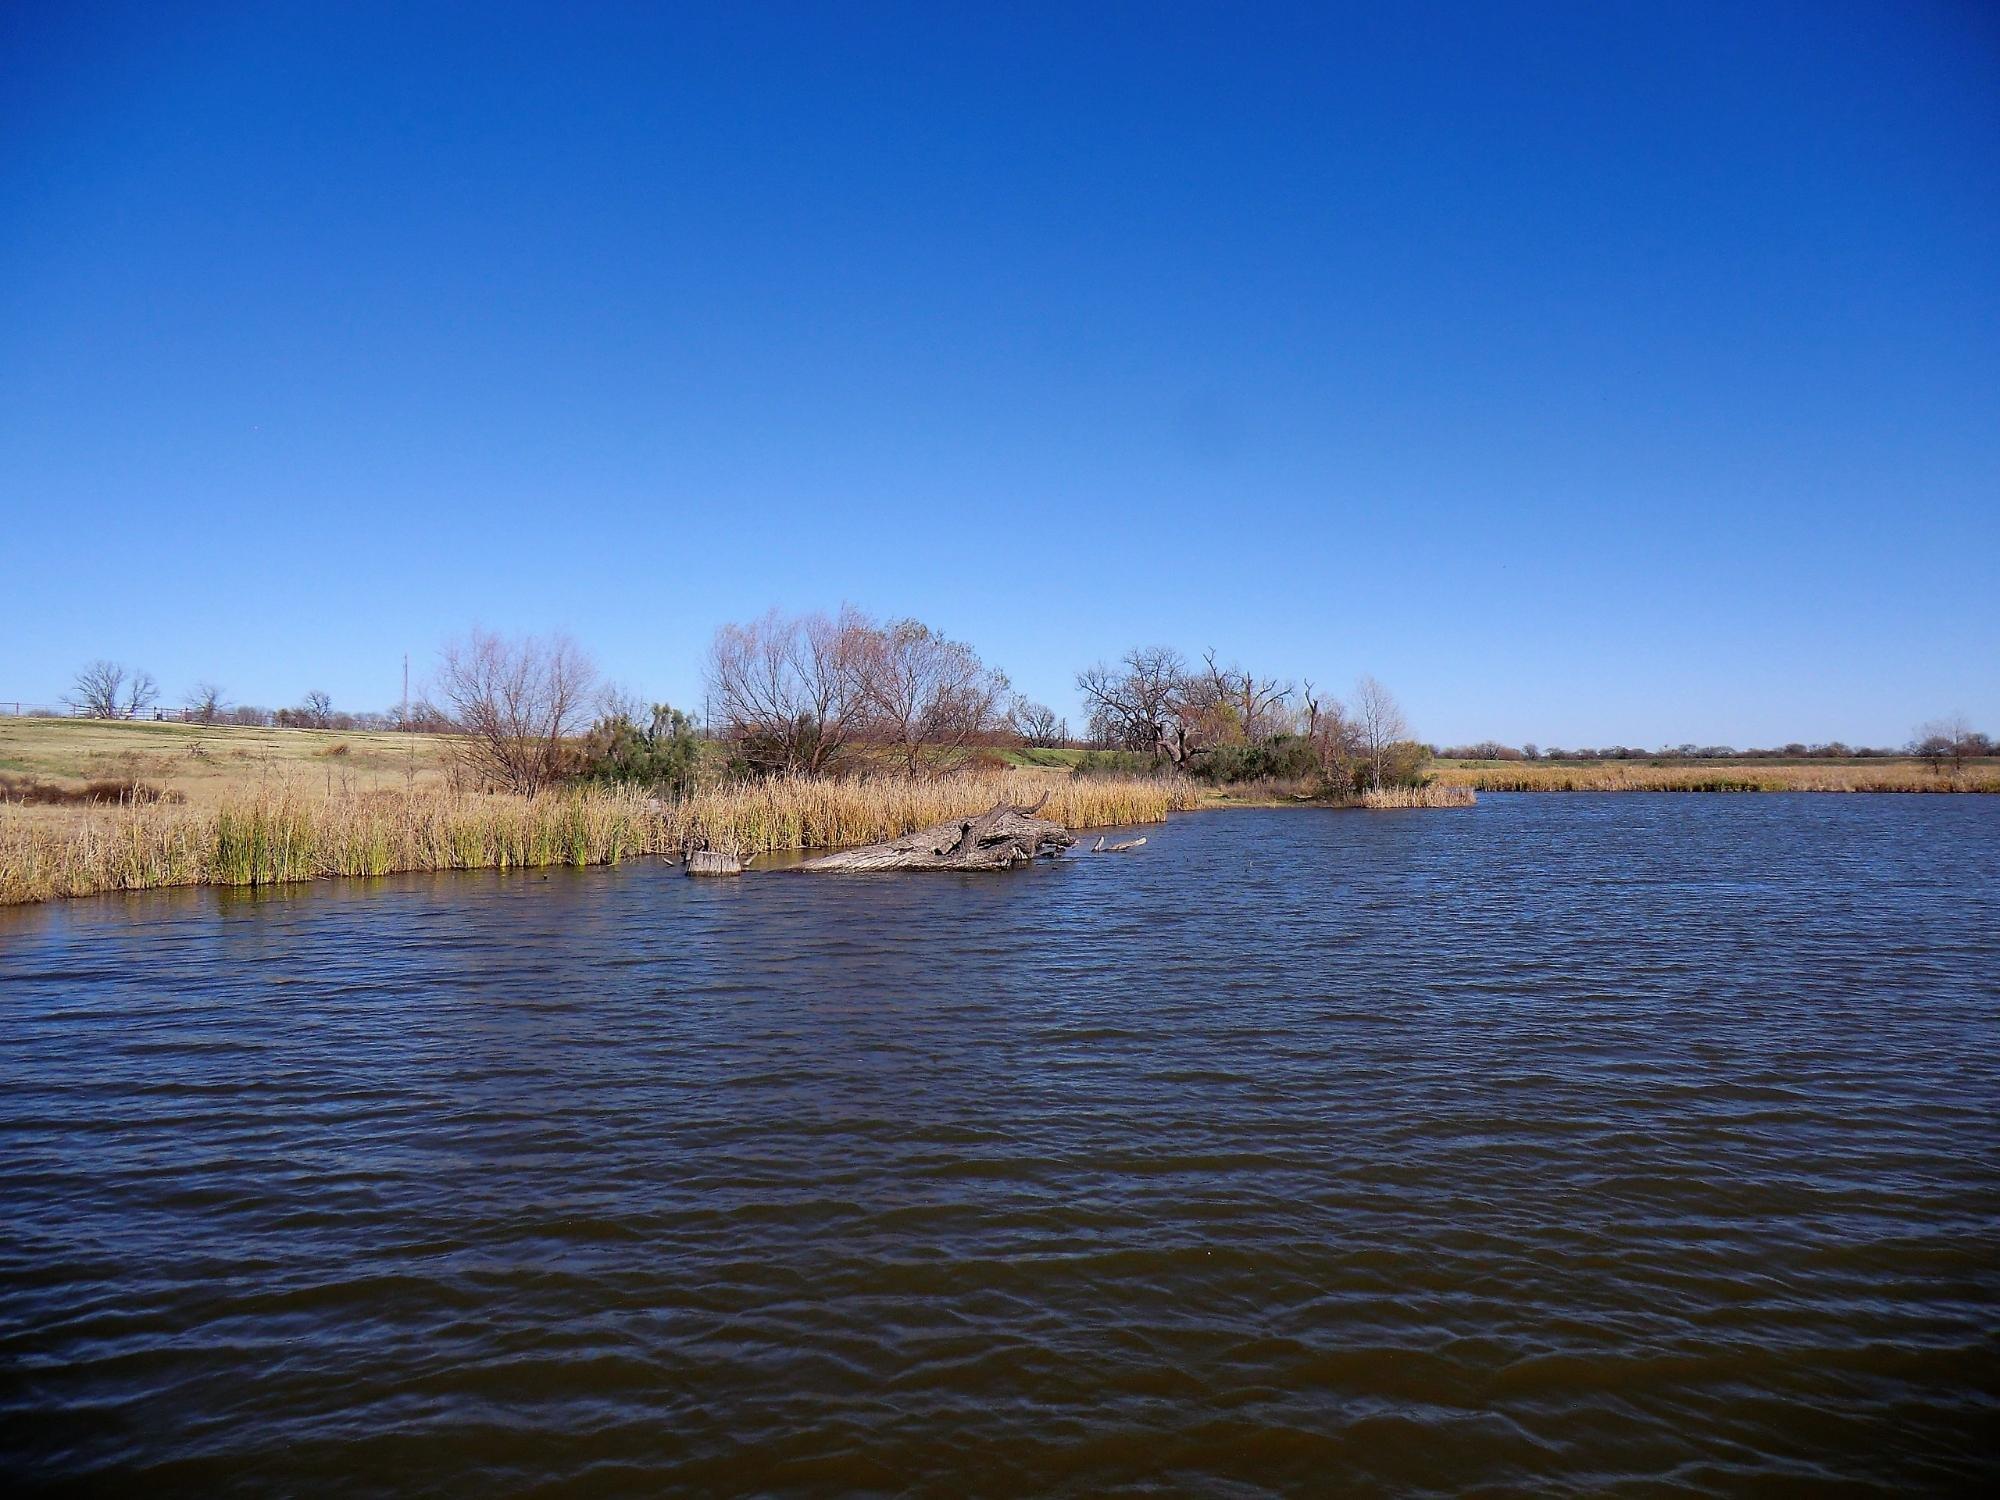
(290, 834)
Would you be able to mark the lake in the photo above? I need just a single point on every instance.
(1563, 1144)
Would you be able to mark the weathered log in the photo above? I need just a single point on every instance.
(998, 839)
(1100, 847)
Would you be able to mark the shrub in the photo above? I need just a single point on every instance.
(663, 753)
(1118, 763)
(1280, 758)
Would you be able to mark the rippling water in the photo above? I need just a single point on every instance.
(1564, 1144)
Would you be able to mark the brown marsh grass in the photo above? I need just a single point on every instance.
(1301, 791)
(1435, 794)
(287, 835)
(1628, 776)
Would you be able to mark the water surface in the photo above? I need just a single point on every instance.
(1567, 1144)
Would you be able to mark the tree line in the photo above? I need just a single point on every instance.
(846, 693)
(1947, 742)
(110, 690)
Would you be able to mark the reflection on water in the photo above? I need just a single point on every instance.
(1554, 1145)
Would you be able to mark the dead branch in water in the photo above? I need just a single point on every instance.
(1003, 836)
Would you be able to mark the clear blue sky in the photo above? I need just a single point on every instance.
(1589, 373)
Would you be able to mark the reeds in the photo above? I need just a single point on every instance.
(286, 835)
(1435, 794)
(1626, 776)
(806, 812)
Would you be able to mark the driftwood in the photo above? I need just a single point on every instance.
(1100, 847)
(998, 839)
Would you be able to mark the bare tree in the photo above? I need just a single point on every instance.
(516, 704)
(1036, 724)
(1378, 724)
(104, 691)
(1104, 730)
(1142, 700)
(204, 702)
(316, 710)
(141, 694)
(1331, 733)
(1256, 705)
(1947, 741)
(928, 697)
(97, 689)
(792, 691)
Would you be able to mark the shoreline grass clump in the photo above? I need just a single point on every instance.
(285, 835)
(1431, 794)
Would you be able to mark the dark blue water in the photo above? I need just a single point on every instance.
(1568, 1144)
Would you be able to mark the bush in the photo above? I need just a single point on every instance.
(662, 753)
(1118, 763)
(1282, 757)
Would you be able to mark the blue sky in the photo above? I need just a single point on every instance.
(1590, 373)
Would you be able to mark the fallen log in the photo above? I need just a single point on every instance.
(1100, 847)
(998, 839)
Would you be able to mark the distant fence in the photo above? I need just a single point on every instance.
(27, 710)
(241, 717)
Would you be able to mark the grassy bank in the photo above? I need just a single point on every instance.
(1732, 776)
(289, 834)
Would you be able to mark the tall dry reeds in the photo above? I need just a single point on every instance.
(287, 835)
(815, 812)
(1626, 776)
(1435, 794)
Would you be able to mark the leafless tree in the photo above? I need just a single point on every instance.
(1947, 741)
(1331, 733)
(104, 691)
(928, 697)
(1036, 724)
(516, 704)
(141, 694)
(1378, 725)
(1104, 730)
(97, 689)
(792, 691)
(1251, 706)
(204, 703)
(316, 710)
(1142, 699)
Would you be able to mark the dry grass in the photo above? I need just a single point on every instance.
(286, 834)
(223, 763)
(1302, 791)
(1437, 794)
(1629, 776)
(817, 813)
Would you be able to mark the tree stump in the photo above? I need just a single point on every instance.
(713, 862)
(998, 839)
